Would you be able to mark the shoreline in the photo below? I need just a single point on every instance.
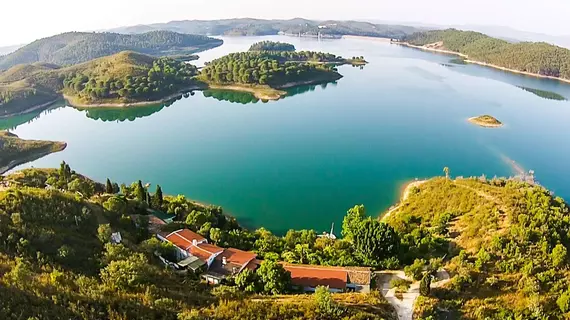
(32, 109)
(405, 193)
(60, 146)
(378, 39)
(484, 64)
(72, 103)
(261, 93)
(474, 120)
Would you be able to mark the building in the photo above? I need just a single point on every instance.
(337, 279)
(230, 263)
(196, 254)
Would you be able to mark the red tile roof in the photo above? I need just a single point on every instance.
(205, 250)
(309, 276)
(237, 256)
(184, 238)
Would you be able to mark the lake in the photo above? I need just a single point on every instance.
(302, 161)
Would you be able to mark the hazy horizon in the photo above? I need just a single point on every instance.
(41, 19)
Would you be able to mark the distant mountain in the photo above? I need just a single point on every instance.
(76, 47)
(258, 27)
(9, 49)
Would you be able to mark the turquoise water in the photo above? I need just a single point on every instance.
(301, 162)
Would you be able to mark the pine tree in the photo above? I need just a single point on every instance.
(158, 199)
(140, 192)
(109, 186)
(425, 285)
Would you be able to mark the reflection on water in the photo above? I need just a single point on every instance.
(122, 114)
(544, 94)
(231, 96)
(248, 98)
(13, 122)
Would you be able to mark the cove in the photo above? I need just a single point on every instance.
(302, 161)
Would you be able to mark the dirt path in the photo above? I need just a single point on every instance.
(404, 304)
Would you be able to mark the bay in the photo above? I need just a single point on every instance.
(302, 161)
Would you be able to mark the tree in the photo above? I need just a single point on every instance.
(375, 241)
(559, 255)
(125, 274)
(275, 279)
(248, 281)
(563, 301)
(326, 306)
(425, 285)
(109, 187)
(216, 235)
(158, 198)
(140, 192)
(104, 233)
(446, 171)
(352, 220)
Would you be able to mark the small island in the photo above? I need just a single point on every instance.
(272, 46)
(16, 151)
(486, 121)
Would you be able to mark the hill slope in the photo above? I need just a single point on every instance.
(259, 27)
(124, 77)
(507, 252)
(533, 57)
(76, 47)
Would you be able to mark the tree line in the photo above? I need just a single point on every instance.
(534, 57)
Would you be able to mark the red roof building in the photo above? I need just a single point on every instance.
(310, 277)
(184, 238)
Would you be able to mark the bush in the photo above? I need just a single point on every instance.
(401, 285)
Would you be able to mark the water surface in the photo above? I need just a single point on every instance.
(300, 162)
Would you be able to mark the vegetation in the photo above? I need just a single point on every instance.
(76, 47)
(258, 27)
(15, 151)
(507, 248)
(125, 77)
(274, 69)
(485, 121)
(154, 79)
(538, 58)
(545, 94)
(56, 259)
(272, 46)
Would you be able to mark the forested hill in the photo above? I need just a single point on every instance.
(259, 27)
(76, 47)
(534, 57)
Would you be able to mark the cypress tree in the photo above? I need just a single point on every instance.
(109, 187)
(158, 196)
(140, 192)
(425, 285)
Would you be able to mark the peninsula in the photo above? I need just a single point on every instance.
(486, 121)
(15, 151)
(533, 59)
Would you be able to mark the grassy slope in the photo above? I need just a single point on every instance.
(512, 222)
(55, 285)
(15, 151)
(46, 82)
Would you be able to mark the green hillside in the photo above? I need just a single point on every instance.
(57, 261)
(120, 78)
(76, 47)
(534, 57)
(507, 252)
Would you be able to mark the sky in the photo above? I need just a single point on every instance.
(26, 20)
